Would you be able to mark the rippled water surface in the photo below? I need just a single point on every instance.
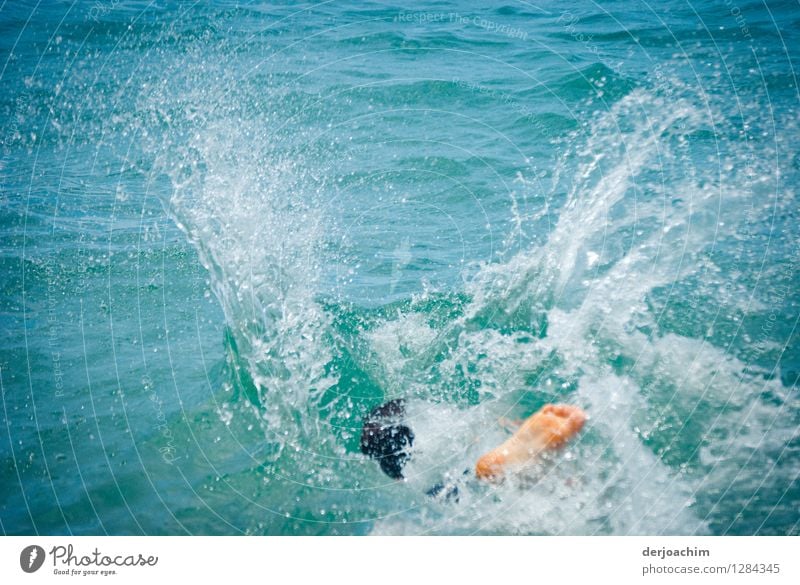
(228, 230)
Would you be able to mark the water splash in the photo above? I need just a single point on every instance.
(573, 320)
(658, 401)
(253, 214)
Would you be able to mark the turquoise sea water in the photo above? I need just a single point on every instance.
(230, 229)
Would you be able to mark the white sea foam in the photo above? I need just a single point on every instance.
(256, 224)
(569, 320)
(614, 479)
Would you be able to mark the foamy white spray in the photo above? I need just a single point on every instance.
(631, 225)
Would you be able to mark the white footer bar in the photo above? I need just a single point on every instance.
(399, 560)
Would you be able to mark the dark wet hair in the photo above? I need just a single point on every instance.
(387, 438)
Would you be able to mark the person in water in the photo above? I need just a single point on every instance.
(387, 438)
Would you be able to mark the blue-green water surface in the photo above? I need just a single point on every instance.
(230, 229)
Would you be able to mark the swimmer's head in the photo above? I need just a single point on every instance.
(384, 437)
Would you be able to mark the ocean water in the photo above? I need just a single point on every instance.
(230, 229)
